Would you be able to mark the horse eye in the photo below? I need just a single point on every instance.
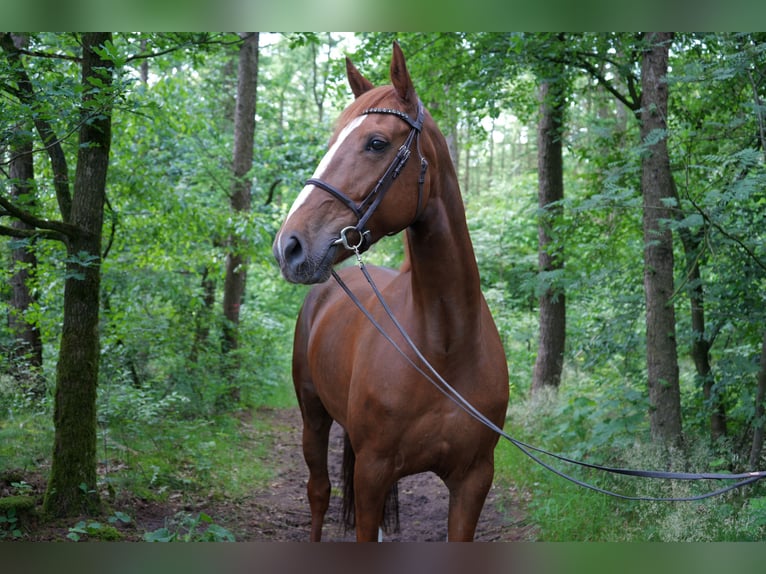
(377, 144)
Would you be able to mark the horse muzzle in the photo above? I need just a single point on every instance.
(301, 264)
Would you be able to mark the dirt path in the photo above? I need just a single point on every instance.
(281, 513)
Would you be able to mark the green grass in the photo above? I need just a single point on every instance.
(153, 445)
(573, 424)
(26, 438)
(560, 510)
(215, 457)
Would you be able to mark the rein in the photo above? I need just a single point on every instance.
(367, 207)
(445, 388)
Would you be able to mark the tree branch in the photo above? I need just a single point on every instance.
(203, 42)
(61, 229)
(29, 233)
(633, 102)
(729, 236)
(25, 93)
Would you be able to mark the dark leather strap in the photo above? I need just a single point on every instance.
(335, 192)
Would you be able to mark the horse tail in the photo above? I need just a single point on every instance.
(391, 507)
(349, 461)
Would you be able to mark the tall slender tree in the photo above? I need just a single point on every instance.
(241, 192)
(72, 482)
(28, 347)
(658, 193)
(550, 177)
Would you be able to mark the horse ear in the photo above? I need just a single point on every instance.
(400, 77)
(359, 84)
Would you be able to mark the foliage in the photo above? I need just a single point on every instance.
(153, 450)
(581, 425)
(9, 524)
(94, 530)
(185, 527)
(12, 508)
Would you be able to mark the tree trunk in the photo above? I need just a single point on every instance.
(760, 417)
(552, 333)
(28, 346)
(700, 353)
(451, 138)
(244, 130)
(202, 319)
(467, 174)
(72, 483)
(701, 341)
(491, 158)
(657, 188)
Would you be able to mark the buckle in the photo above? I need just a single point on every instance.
(343, 239)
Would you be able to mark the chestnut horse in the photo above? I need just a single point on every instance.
(388, 169)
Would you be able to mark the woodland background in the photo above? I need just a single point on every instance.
(616, 196)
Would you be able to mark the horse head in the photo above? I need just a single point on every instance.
(373, 180)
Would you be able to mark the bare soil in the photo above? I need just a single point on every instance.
(279, 511)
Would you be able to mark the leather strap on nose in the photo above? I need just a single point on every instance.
(337, 194)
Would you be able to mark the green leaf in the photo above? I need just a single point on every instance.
(217, 533)
(159, 535)
(120, 517)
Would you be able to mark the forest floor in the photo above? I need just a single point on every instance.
(279, 510)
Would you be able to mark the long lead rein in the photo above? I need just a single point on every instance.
(445, 388)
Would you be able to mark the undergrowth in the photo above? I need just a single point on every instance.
(598, 426)
(151, 444)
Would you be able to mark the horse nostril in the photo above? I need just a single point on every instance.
(292, 252)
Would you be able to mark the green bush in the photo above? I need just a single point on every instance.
(591, 423)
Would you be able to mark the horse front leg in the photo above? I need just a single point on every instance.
(316, 436)
(372, 484)
(466, 500)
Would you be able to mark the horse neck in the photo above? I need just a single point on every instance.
(445, 277)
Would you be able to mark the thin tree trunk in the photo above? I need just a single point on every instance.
(700, 353)
(552, 333)
(701, 341)
(28, 347)
(759, 423)
(244, 130)
(202, 319)
(72, 483)
(451, 138)
(657, 187)
(143, 70)
(491, 159)
(467, 174)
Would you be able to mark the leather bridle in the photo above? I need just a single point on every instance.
(367, 207)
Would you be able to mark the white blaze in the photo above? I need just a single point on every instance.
(319, 171)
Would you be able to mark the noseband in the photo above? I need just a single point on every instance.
(366, 208)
